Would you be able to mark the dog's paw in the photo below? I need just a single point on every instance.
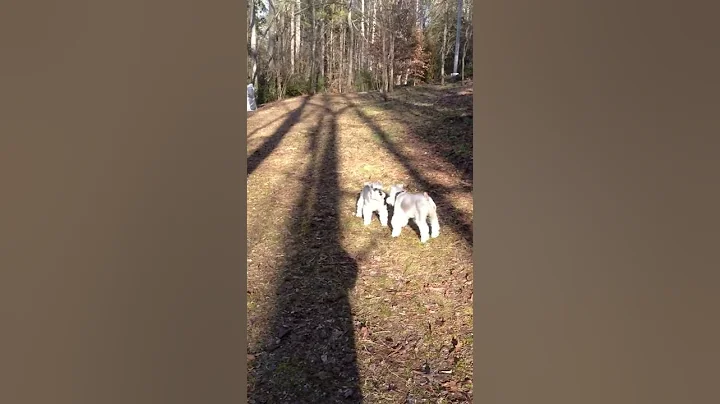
(358, 215)
(435, 235)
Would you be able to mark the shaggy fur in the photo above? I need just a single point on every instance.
(419, 207)
(372, 199)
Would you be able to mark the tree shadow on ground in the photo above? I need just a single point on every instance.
(265, 149)
(448, 131)
(309, 356)
(449, 215)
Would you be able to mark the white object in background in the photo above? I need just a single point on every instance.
(251, 105)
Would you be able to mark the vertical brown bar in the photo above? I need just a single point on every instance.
(596, 179)
(122, 241)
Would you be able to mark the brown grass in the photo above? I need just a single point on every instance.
(340, 312)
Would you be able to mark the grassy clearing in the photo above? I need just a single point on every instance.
(340, 312)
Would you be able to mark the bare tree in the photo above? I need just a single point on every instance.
(293, 50)
(253, 44)
(350, 46)
(457, 35)
(306, 46)
(363, 46)
(468, 41)
(313, 42)
(443, 49)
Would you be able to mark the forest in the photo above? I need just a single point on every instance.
(298, 47)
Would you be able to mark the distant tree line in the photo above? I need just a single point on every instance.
(308, 46)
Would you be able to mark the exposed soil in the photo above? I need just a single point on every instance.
(343, 313)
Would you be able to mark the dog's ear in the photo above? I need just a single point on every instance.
(426, 195)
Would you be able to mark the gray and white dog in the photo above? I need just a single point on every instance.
(419, 207)
(372, 199)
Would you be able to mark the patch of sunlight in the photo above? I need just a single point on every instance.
(421, 104)
(371, 111)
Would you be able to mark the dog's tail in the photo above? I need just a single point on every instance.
(432, 203)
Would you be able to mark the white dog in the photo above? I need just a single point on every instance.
(419, 207)
(372, 199)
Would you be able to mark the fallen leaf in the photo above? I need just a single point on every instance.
(451, 385)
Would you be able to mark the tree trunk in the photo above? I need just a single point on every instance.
(392, 59)
(313, 78)
(465, 48)
(292, 38)
(253, 45)
(321, 59)
(363, 35)
(385, 80)
(374, 22)
(342, 60)
(443, 49)
(271, 35)
(350, 48)
(297, 18)
(331, 57)
(458, 23)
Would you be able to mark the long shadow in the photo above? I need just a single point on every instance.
(258, 129)
(310, 356)
(450, 133)
(262, 152)
(449, 215)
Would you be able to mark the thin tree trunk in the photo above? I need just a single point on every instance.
(331, 57)
(363, 34)
(443, 49)
(253, 45)
(374, 22)
(297, 19)
(292, 38)
(350, 48)
(271, 34)
(392, 58)
(457, 35)
(385, 80)
(322, 54)
(465, 48)
(313, 78)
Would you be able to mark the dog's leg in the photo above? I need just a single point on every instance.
(423, 227)
(358, 213)
(383, 212)
(434, 224)
(399, 220)
(367, 214)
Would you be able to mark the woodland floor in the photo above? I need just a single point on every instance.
(343, 313)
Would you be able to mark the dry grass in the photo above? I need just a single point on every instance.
(340, 312)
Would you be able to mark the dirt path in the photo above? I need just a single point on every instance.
(339, 312)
